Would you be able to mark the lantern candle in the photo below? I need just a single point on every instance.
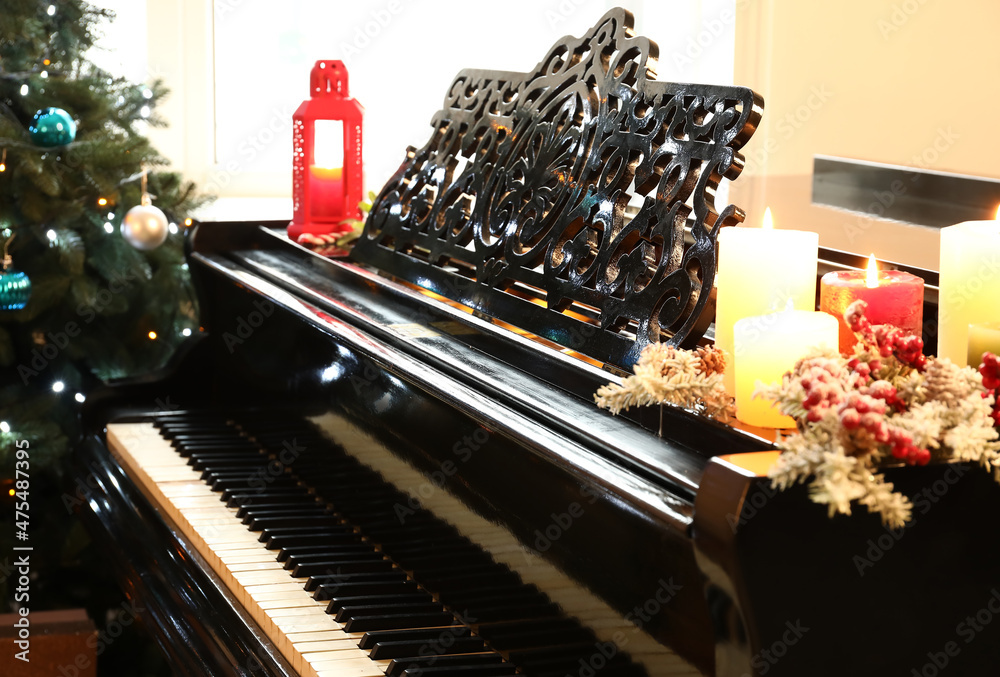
(769, 345)
(327, 151)
(893, 296)
(760, 270)
(326, 173)
(970, 284)
(983, 338)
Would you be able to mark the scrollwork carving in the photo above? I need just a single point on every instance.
(523, 186)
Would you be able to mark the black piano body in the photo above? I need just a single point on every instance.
(705, 566)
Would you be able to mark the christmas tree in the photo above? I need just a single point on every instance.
(104, 298)
(94, 284)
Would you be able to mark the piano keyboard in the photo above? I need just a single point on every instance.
(341, 578)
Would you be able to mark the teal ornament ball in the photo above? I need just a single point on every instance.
(15, 289)
(52, 127)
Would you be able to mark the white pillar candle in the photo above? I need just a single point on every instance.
(970, 284)
(983, 338)
(760, 270)
(769, 345)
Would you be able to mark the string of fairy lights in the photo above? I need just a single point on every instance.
(53, 131)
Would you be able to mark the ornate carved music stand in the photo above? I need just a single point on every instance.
(516, 205)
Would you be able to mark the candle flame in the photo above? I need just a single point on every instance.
(871, 281)
(998, 213)
(768, 221)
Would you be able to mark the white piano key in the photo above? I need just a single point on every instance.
(286, 613)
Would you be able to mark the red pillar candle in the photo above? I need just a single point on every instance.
(893, 297)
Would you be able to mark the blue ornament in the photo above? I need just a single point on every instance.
(15, 289)
(52, 127)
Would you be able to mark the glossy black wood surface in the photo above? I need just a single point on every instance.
(793, 592)
(419, 377)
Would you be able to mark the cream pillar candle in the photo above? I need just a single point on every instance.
(760, 270)
(766, 347)
(983, 338)
(970, 284)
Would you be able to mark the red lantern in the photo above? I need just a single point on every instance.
(326, 161)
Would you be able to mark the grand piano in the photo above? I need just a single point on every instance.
(392, 464)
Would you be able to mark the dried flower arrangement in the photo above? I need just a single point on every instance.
(691, 379)
(886, 401)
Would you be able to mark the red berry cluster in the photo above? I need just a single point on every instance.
(864, 410)
(823, 389)
(990, 370)
(885, 339)
(859, 324)
(903, 448)
(908, 348)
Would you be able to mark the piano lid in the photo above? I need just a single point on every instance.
(515, 206)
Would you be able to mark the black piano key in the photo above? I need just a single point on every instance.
(237, 499)
(329, 553)
(500, 670)
(273, 523)
(443, 645)
(350, 522)
(246, 465)
(352, 566)
(337, 603)
(206, 437)
(317, 552)
(330, 589)
(245, 484)
(287, 538)
(398, 666)
(250, 508)
(185, 449)
(292, 517)
(195, 433)
(426, 635)
(387, 621)
(346, 613)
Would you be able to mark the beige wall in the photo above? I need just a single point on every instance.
(905, 82)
